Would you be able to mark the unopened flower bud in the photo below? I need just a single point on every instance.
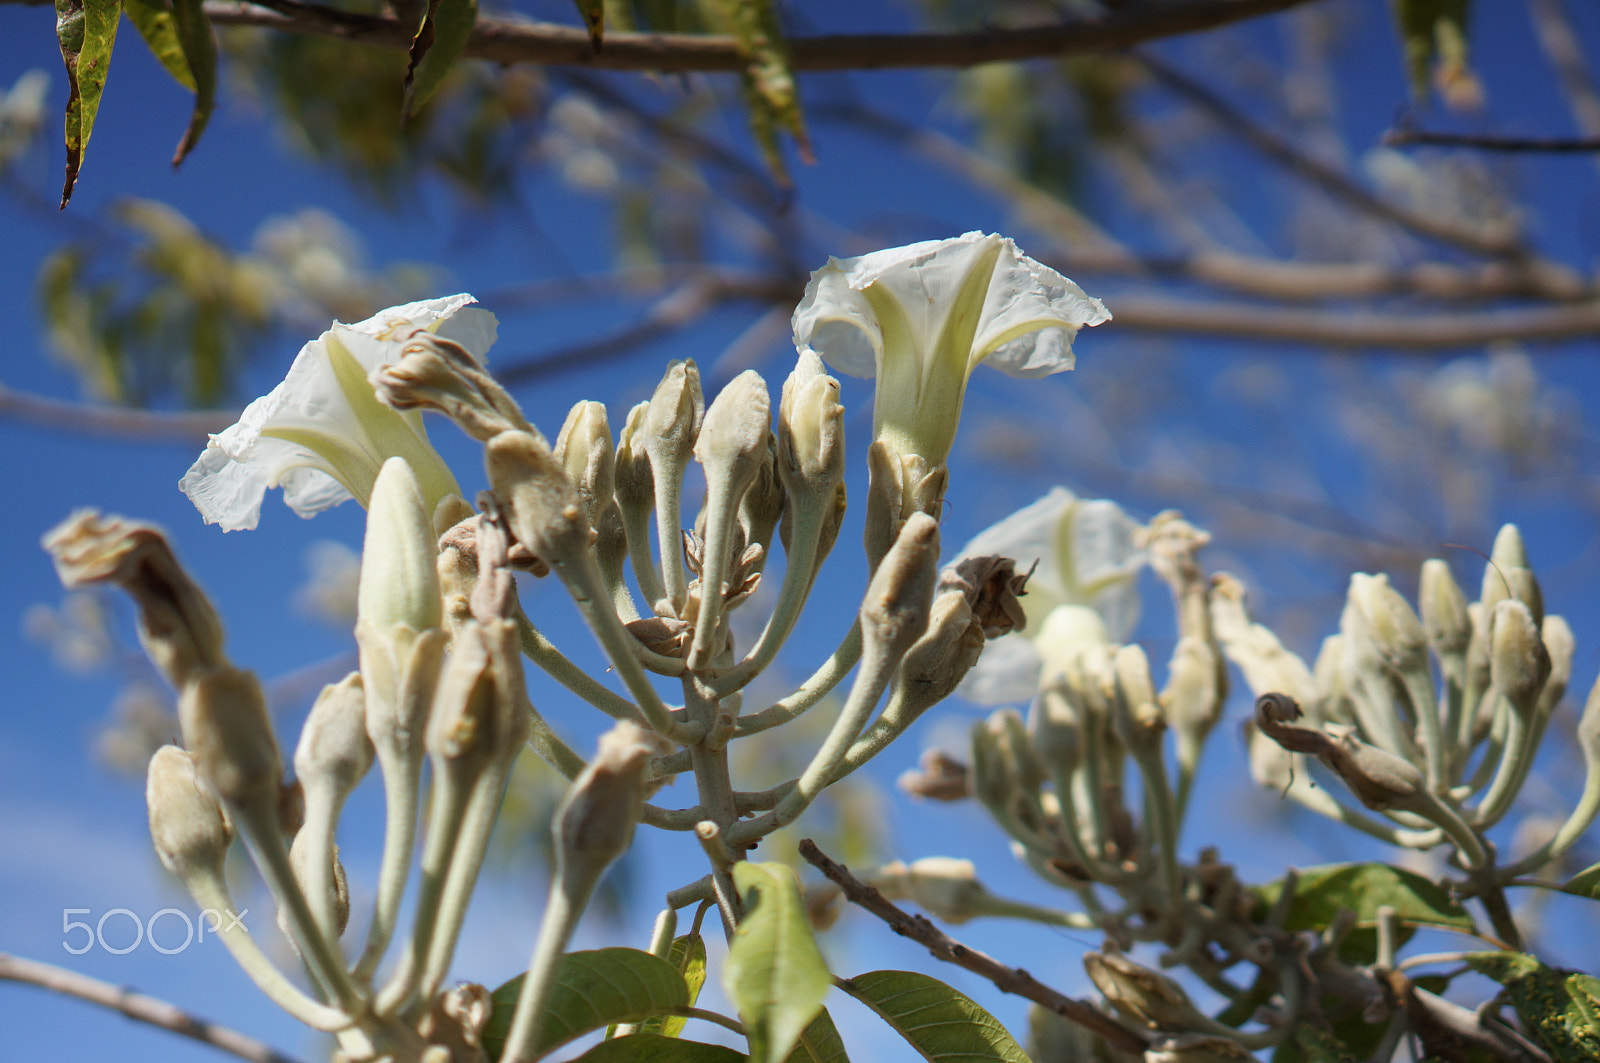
(1378, 778)
(937, 777)
(1139, 993)
(1389, 622)
(672, 422)
(1518, 661)
(1192, 700)
(187, 825)
(334, 750)
(993, 780)
(734, 431)
(935, 665)
(894, 611)
(1444, 609)
(1560, 645)
(584, 448)
(764, 502)
(810, 428)
(228, 732)
(300, 863)
(635, 484)
(1135, 714)
(1056, 726)
(179, 628)
(399, 558)
(541, 503)
(1509, 575)
(946, 887)
(595, 822)
(1197, 1048)
(897, 487)
(439, 374)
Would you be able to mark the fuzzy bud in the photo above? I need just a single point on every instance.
(1139, 993)
(935, 665)
(584, 448)
(938, 777)
(1445, 619)
(1518, 661)
(734, 432)
(541, 503)
(1056, 726)
(1136, 716)
(946, 887)
(189, 829)
(1389, 621)
(595, 822)
(810, 429)
(672, 422)
(399, 557)
(334, 750)
(226, 728)
(894, 611)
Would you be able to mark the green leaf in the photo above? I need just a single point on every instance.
(200, 52)
(658, 1049)
(1432, 30)
(592, 991)
(820, 1043)
(86, 31)
(688, 955)
(1364, 888)
(1585, 883)
(938, 1021)
(441, 38)
(593, 13)
(769, 84)
(1313, 1045)
(1562, 1007)
(153, 19)
(774, 974)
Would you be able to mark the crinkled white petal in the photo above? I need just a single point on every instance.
(240, 463)
(1031, 312)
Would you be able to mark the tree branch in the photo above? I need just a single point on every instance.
(153, 425)
(137, 1006)
(943, 947)
(506, 41)
(1351, 328)
(1404, 137)
(1484, 240)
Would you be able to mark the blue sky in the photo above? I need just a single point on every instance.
(72, 835)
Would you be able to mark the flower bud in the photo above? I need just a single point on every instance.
(1518, 661)
(894, 611)
(541, 503)
(635, 484)
(177, 625)
(1192, 700)
(300, 863)
(734, 431)
(1560, 645)
(810, 429)
(1509, 575)
(584, 448)
(190, 831)
(1056, 727)
(1135, 715)
(1139, 993)
(439, 374)
(993, 588)
(946, 887)
(672, 422)
(595, 822)
(764, 502)
(334, 750)
(1378, 778)
(935, 665)
(399, 557)
(1389, 621)
(1197, 1048)
(938, 777)
(228, 732)
(1444, 609)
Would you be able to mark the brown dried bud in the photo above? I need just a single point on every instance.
(228, 732)
(992, 586)
(594, 824)
(941, 777)
(180, 630)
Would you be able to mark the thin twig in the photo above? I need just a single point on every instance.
(156, 426)
(1404, 137)
(943, 947)
(137, 1006)
(507, 41)
(1495, 240)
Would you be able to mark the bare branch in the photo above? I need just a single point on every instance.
(505, 41)
(137, 1006)
(1404, 137)
(153, 425)
(1352, 328)
(943, 947)
(1486, 240)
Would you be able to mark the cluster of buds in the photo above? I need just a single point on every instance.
(440, 694)
(1441, 762)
